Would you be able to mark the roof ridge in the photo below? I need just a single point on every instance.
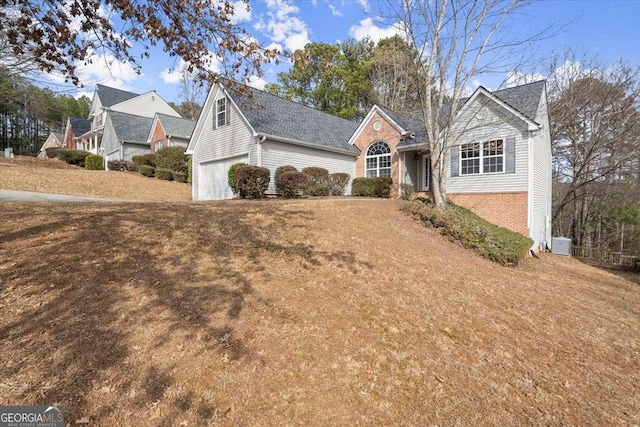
(115, 88)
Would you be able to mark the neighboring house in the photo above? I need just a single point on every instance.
(125, 135)
(500, 156)
(107, 101)
(54, 140)
(170, 131)
(75, 128)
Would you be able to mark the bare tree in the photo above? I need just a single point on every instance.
(457, 40)
(595, 132)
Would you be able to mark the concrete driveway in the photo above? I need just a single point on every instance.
(29, 196)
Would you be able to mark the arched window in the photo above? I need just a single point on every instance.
(378, 160)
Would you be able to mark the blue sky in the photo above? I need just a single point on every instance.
(606, 28)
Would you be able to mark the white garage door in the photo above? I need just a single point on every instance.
(213, 178)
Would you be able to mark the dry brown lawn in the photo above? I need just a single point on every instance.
(327, 312)
(55, 176)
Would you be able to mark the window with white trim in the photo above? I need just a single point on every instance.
(378, 160)
(221, 113)
(482, 157)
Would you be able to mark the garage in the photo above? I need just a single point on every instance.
(213, 178)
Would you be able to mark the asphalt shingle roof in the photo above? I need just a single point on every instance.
(524, 99)
(79, 126)
(177, 126)
(110, 96)
(131, 128)
(272, 115)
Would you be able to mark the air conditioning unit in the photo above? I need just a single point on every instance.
(561, 246)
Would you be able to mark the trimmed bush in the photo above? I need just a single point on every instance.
(145, 159)
(172, 158)
(179, 177)
(293, 183)
(338, 182)
(145, 170)
(190, 173)
(465, 228)
(73, 157)
(120, 165)
(362, 187)
(382, 186)
(231, 176)
(279, 171)
(51, 152)
(94, 162)
(252, 181)
(164, 174)
(318, 181)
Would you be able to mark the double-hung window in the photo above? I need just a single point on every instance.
(482, 157)
(222, 112)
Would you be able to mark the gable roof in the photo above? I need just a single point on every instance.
(79, 125)
(278, 117)
(177, 126)
(129, 127)
(524, 98)
(110, 96)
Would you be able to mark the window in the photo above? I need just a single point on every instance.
(482, 157)
(222, 117)
(378, 160)
(160, 144)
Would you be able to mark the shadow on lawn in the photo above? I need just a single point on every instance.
(74, 267)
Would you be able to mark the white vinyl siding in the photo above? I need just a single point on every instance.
(130, 150)
(146, 105)
(540, 210)
(215, 144)
(496, 124)
(275, 154)
(109, 138)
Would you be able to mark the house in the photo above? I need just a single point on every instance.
(73, 131)
(170, 131)
(54, 140)
(500, 163)
(105, 138)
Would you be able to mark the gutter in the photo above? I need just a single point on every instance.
(306, 144)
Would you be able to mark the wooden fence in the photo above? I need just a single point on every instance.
(606, 255)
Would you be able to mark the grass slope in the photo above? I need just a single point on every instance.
(339, 312)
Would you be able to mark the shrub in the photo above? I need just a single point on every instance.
(252, 181)
(279, 171)
(406, 191)
(164, 174)
(172, 158)
(190, 173)
(94, 162)
(51, 152)
(362, 187)
(293, 183)
(231, 176)
(145, 170)
(461, 226)
(318, 181)
(73, 157)
(120, 165)
(179, 177)
(382, 186)
(337, 183)
(144, 160)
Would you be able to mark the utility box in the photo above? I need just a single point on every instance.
(561, 246)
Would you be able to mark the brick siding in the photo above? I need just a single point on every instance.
(507, 210)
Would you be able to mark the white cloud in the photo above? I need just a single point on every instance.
(282, 26)
(256, 82)
(367, 28)
(241, 13)
(334, 10)
(364, 4)
(516, 78)
(173, 76)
